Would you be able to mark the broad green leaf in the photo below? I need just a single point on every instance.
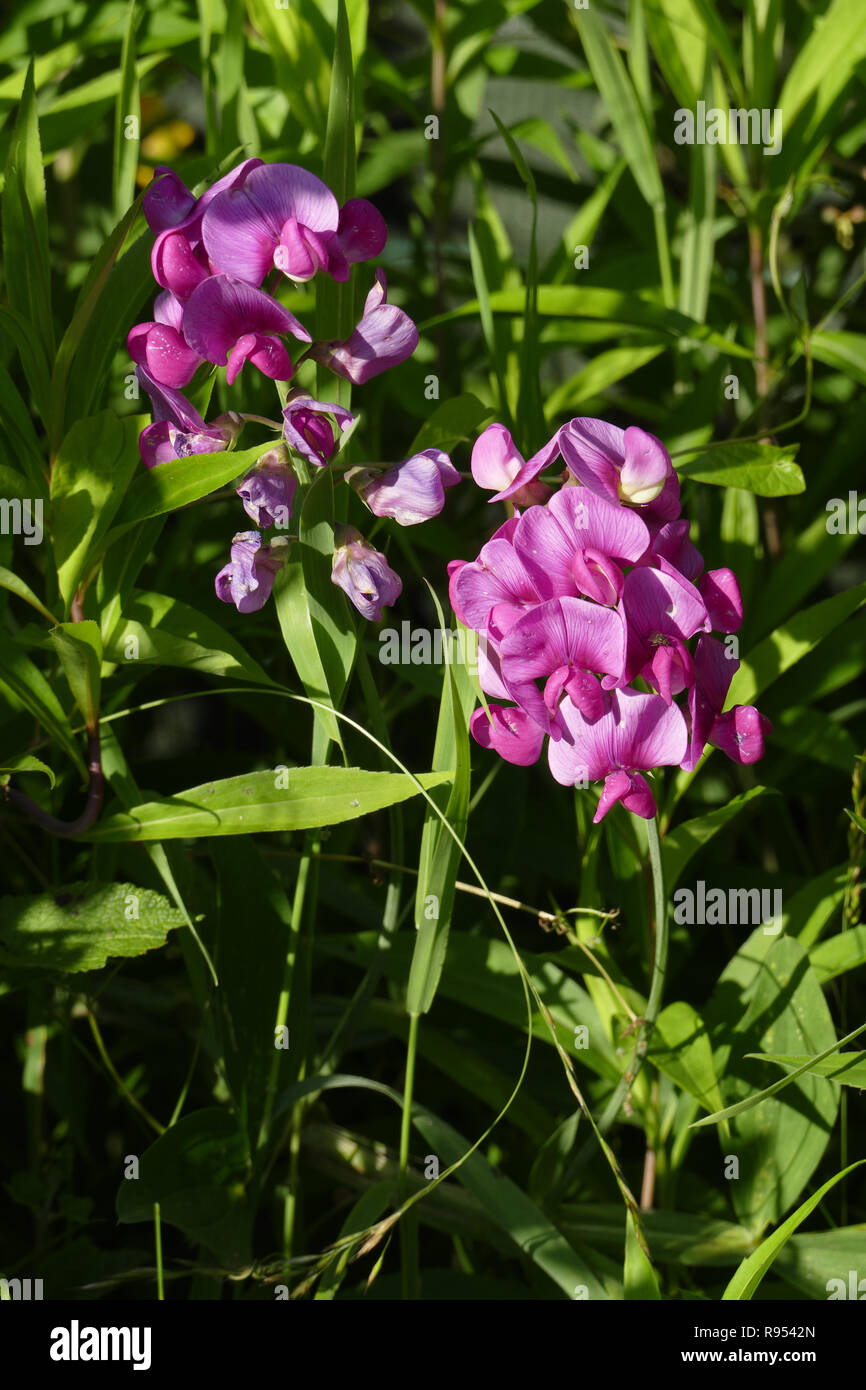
(790, 643)
(846, 1068)
(847, 351)
(807, 914)
(639, 1277)
(818, 1262)
(27, 683)
(79, 649)
(764, 469)
(680, 1047)
(752, 1270)
(593, 302)
(834, 42)
(83, 925)
(683, 842)
(26, 763)
(838, 954)
(810, 733)
(299, 798)
(160, 629)
(197, 1172)
(453, 422)
(93, 467)
(602, 371)
(181, 481)
(14, 585)
(781, 1141)
(685, 1238)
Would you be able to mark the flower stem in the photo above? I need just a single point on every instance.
(409, 1224)
(657, 980)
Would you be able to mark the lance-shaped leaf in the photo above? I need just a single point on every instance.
(79, 649)
(299, 798)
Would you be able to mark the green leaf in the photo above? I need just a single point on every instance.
(834, 43)
(846, 1068)
(454, 421)
(299, 798)
(620, 104)
(93, 467)
(26, 763)
(680, 1047)
(27, 683)
(755, 1266)
(126, 147)
(764, 469)
(639, 1277)
(840, 953)
(783, 1140)
(846, 351)
(160, 629)
(441, 855)
(83, 925)
(335, 302)
(79, 649)
(790, 643)
(682, 843)
(79, 371)
(181, 481)
(197, 1172)
(602, 371)
(14, 585)
(27, 269)
(577, 302)
(482, 975)
(314, 615)
(251, 964)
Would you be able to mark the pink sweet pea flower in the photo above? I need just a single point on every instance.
(578, 543)
(510, 732)
(228, 322)
(410, 492)
(313, 428)
(384, 337)
(740, 732)
(363, 574)
(636, 733)
(160, 345)
(564, 641)
(662, 613)
(496, 462)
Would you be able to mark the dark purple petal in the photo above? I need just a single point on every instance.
(167, 200)
(312, 428)
(740, 733)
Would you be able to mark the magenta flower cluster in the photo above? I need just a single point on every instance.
(593, 587)
(212, 256)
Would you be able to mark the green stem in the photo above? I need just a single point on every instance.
(664, 255)
(657, 980)
(409, 1224)
(285, 992)
(157, 1233)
